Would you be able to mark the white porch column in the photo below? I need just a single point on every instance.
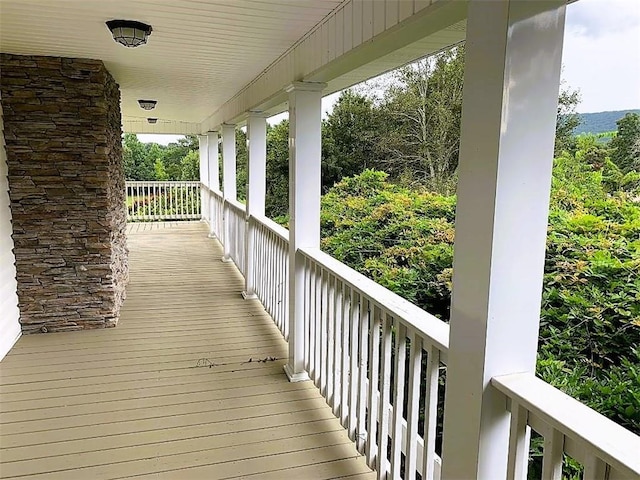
(305, 152)
(228, 181)
(229, 161)
(214, 178)
(256, 189)
(512, 73)
(204, 196)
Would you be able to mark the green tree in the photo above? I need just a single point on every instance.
(136, 164)
(160, 171)
(567, 119)
(277, 197)
(626, 144)
(421, 112)
(349, 138)
(190, 167)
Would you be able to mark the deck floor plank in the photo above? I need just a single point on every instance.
(176, 390)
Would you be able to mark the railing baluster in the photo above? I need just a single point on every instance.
(385, 391)
(374, 380)
(595, 469)
(347, 305)
(363, 360)
(398, 398)
(518, 443)
(430, 413)
(317, 329)
(354, 369)
(552, 456)
(329, 371)
(413, 405)
(324, 336)
(337, 348)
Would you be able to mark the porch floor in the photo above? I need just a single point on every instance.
(179, 389)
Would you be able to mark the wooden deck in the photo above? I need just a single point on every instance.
(179, 390)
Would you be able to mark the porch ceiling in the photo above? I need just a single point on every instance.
(199, 54)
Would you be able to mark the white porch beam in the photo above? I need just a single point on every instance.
(214, 179)
(214, 161)
(204, 177)
(512, 74)
(169, 127)
(305, 153)
(229, 162)
(355, 35)
(256, 189)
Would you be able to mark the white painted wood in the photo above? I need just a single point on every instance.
(519, 435)
(354, 358)
(412, 316)
(373, 400)
(213, 160)
(398, 398)
(305, 151)
(229, 188)
(382, 464)
(413, 406)
(10, 318)
(337, 347)
(595, 469)
(167, 200)
(214, 180)
(505, 170)
(552, 456)
(375, 47)
(363, 361)
(598, 436)
(256, 189)
(204, 192)
(430, 413)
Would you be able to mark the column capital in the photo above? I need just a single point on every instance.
(305, 87)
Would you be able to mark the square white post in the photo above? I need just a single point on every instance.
(512, 76)
(305, 153)
(228, 181)
(229, 162)
(214, 178)
(202, 150)
(256, 190)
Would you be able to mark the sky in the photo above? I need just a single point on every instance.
(601, 58)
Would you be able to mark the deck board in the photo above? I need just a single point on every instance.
(141, 401)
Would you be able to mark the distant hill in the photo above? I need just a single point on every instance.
(600, 122)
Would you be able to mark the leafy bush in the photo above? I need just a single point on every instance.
(590, 321)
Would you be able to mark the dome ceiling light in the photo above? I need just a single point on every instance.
(129, 33)
(147, 104)
(152, 120)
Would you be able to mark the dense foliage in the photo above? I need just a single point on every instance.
(151, 161)
(590, 325)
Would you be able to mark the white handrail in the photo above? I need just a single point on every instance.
(413, 315)
(367, 350)
(157, 201)
(606, 449)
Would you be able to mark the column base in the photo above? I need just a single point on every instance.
(295, 377)
(212, 235)
(226, 259)
(249, 296)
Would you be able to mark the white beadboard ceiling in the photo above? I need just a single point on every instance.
(201, 52)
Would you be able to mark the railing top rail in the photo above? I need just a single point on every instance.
(162, 183)
(241, 207)
(216, 193)
(604, 438)
(424, 323)
(269, 224)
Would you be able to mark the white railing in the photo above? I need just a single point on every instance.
(368, 350)
(216, 214)
(358, 338)
(153, 201)
(606, 450)
(234, 233)
(271, 277)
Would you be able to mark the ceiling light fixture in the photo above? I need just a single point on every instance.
(129, 33)
(152, 120)
(147, 104)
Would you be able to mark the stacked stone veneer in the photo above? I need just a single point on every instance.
(66, 186)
